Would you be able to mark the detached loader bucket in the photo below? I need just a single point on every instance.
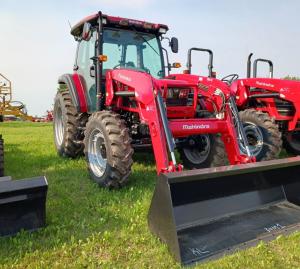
(203, 214)
(22, 204)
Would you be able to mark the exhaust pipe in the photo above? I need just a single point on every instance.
(249, 65)
(204, 214)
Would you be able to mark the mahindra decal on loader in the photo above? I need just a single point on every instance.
(121, 97)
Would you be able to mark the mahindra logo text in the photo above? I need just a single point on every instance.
(195, 126)
(264, 84)
(124, 77)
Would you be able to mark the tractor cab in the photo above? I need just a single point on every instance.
(117, 43)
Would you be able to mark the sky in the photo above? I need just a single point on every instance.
(36, 46)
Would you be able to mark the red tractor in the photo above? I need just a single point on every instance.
(121, 98)
(270, 112)
(268, 109)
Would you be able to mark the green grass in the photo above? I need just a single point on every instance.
(89, 227)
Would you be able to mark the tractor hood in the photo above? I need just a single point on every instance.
(286, 89)
(280, 85)
(142, 83)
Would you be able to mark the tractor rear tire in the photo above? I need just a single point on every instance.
(1, 157)
(192, 158)
(66, 123)
(108, 150)
(263, 134)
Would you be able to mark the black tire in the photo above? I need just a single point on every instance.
(66, 126)
(263, 134)
(1, 157)
(292, 142)
(1, 118)
(219, 154)
(108, 149)
(198, 156)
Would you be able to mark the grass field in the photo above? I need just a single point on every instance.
(89, 227)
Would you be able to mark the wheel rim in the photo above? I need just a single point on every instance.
(59, 126)
(293, 139)
(255, 139)
(97, 153)
(196, 154)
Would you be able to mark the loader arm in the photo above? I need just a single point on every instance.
(147, 93)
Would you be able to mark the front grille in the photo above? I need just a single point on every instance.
(180, 97)
(285, 108)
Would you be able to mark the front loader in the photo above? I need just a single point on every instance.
(120, 99)
(22, 202)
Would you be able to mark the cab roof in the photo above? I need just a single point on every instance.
(119, 22)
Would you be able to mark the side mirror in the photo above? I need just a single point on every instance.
(174, 44)
(86, 31)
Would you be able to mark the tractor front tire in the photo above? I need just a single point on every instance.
(219, 154)
(1, 157)
(66, 123)
(264, 137)
(108, 150)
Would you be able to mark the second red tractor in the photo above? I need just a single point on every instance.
(270, 110)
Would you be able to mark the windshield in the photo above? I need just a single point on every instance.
(132, 50)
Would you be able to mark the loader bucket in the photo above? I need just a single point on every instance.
(204, 214)
(22, 204)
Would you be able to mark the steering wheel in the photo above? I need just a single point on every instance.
(130, 65)
(116, 66)
(230, 78)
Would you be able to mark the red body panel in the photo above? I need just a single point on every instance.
(287, 90)
(80, 93)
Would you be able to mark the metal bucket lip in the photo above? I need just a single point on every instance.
(251, 243)
(219, 172)
(23, 184)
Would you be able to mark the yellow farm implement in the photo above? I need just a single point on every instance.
(8, 107)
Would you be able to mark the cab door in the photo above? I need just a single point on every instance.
(85, 68)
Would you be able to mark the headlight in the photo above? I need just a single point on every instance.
(162, 30)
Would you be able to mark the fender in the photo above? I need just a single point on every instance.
(76, 93)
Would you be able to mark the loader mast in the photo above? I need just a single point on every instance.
(168, 134)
